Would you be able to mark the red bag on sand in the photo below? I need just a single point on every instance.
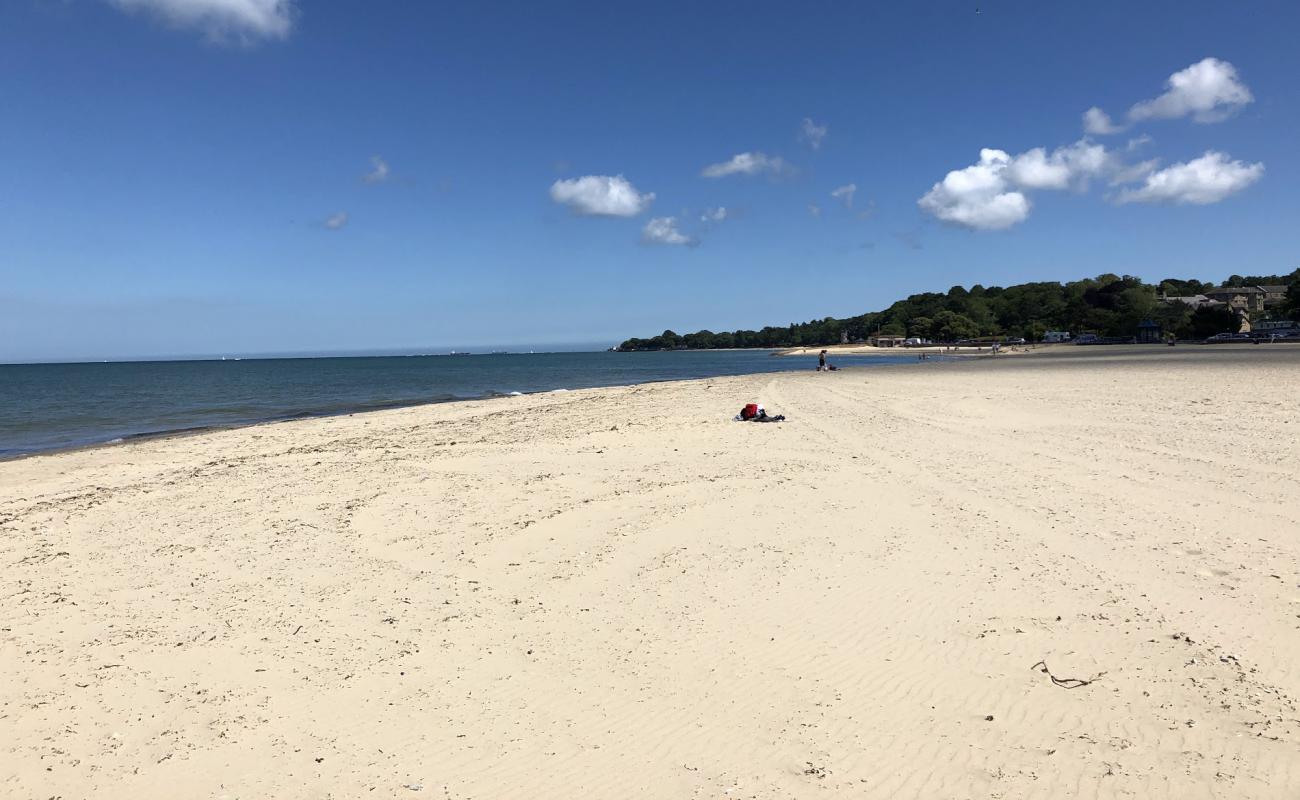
(749, 411)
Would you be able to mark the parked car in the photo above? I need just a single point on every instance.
(1219, 338)
(1085, 338)
(1015, 340)
(1275, 333)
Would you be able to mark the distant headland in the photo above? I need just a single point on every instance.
(1106, 306)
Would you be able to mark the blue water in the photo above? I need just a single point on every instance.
(52, 406)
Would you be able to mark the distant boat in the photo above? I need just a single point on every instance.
(455, 353)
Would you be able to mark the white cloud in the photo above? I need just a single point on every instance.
(1207, 91)
(601, 195)
(663, 230)
(814, 209)
(812, 133)
(1034, 170)
(244, 19)
(378, 172)
(991, 195)
(1099, 123)
(337, 221)
(845, 194)
(978, 197)
(1204, 180)
(747, 164)
(714, 215)
(1067, 166)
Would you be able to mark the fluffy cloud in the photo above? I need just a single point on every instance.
(713, 215)
(1207, 91)
(845, 194)
(244, 19)
(1098, 123)
(1204, 180)
(990, 195)
(979, 196)
(1067, 166)
(601, 195)
(337, 221)
(747, 164)
(812, 133)
(814, 209)
(1033, 169)
(663, 230)
(378, 172)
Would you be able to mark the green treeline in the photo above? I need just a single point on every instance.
(1108, 305)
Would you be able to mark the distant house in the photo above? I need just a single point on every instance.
(1239, 298)
(888, 341)
(1274, 294)
(1194, 301)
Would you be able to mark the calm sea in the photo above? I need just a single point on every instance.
(52, 406)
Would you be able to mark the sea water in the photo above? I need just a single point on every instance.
(53, 406)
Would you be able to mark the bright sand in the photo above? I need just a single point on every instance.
(623, 593)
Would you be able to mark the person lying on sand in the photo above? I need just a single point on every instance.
(753, 412)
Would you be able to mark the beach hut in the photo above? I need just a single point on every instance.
(1148, 332)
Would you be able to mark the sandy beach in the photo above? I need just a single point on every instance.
(1067, 574)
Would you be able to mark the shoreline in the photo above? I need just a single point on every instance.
(130, 438)
(120, 438)
(1040, 351)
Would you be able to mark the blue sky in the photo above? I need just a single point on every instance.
(199, 176)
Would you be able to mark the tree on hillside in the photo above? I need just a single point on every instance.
(1109, 304)
(949, 326)
(1174, 287)
(921, 326)
(1209, 321)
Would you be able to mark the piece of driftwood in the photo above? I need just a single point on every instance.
(1065, 683)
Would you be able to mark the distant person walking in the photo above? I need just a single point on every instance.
(821, 361)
